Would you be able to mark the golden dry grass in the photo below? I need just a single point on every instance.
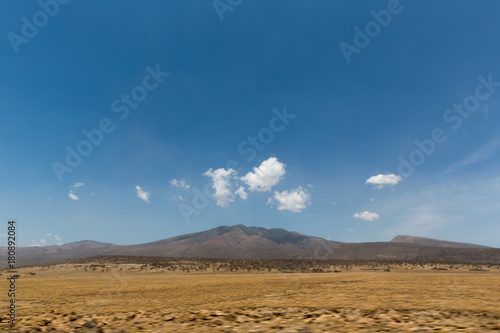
(352, 301)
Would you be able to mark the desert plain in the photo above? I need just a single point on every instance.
(98, 295)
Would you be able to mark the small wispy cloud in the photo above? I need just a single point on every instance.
(58, 239)
(178, 197)
(179, 183)
(333, 203)
(480, 155)
(372, 199)
(366, 215)
(350, 230)
(72, 196)
(143, 195)
(422, 220)
(47, 239)
(380, 180)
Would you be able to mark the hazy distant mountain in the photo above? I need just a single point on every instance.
(240, 241)
(434, 242)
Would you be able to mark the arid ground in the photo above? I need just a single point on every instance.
(90, 297)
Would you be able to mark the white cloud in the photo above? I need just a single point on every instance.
(43, 241)
(143, 195)
(366, 215)
(48, 235)
(57, 237)
(34, 243)
(179, 183)
(381, 180)
(241, 192)
(350, 230)
(264, 177)
(296, 200)
(72, 196)
(372, 199)
(480, 155)
(222, 184)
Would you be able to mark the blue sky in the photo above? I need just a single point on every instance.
(312, 104)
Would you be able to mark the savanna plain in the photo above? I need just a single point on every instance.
(113, 295)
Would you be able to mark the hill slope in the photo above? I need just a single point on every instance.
(421, 241)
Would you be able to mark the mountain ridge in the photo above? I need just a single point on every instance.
(248, 242)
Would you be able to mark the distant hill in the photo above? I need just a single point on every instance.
(421, 241)
(239, 241)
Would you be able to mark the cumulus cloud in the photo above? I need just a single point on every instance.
(241, 192)
(296, 200)
(72, 196)
(381, 180)
(222, 184)
(143, 195)
(366, 215)
(264, 177)
(179, 183)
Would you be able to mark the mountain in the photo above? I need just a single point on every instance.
(237, 241)
(244, 242)
(421, 241)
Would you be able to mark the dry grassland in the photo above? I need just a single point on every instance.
(66, 298)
